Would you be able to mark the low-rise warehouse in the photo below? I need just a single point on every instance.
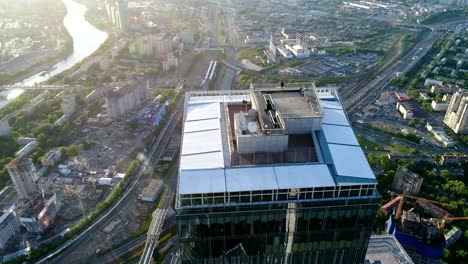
(152, 191)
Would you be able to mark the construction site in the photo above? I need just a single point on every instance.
(420, 229)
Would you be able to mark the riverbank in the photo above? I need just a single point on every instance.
(48, 62)
(96, 17)
(61, 77)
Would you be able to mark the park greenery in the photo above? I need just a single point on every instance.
(446, 16)
(442, 183)
(221, 31)
(409, 136)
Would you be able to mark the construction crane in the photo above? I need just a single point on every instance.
(444, 220)
(447, 218)
(404, 195)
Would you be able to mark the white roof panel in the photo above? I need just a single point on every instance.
(339, 135)
(303, 176)
(202, 161)
(325, 95)
(202, 142)
(350, 161)
(202, 181)
(331, 104)
(203, 111)
(202, 125)
(219, 98)
(250, 179)
(334, 117)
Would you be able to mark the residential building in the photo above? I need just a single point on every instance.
(446, 98)
(23, 141)
(117, 10)
(151, 45)
(453, 235)
(405, 110)
(289, 33)
(171, 62)
(406, 181)
(9, 224)
(402, 97)
(457, 113)
(68, 104)
(291, 72)
(298, 51)
(255, 40)
(429, 82)
(120, 100)
(439, 106)
(424, 96)
(23, 174)
(441, 136)
(4, 127)
(446, 88)
(452, 159)
(284, 52)
(271, 51)
(275, 174)
(52, 157)
(186, 36)
(23, 152)
(39, 213)
(118, 48)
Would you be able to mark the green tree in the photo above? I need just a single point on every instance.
(462, 253)
(446, 253)
(411, 123)
(73, 151)
(455, 186)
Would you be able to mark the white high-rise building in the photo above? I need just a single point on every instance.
(4, 127)
(457, 113)
(9, 225)
(24, 176)
(68, 104)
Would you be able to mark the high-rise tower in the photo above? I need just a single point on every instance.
(273, 174)
(24, 176)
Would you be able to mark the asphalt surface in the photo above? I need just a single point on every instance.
(364, 95)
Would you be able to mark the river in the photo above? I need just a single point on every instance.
(86, 40)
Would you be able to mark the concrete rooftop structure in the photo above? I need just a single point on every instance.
(270, 139)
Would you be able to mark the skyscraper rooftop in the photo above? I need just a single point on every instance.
(268, 140)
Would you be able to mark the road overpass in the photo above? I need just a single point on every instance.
(153, 235)
(38, 87)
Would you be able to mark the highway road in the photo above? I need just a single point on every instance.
(368, 90)
(227, 77)
(155, 152)
(366, 94)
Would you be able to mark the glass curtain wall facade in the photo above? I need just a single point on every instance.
(335, 231)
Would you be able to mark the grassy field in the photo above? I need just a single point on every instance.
(367, 144)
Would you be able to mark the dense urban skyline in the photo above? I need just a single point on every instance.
(232, 131)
